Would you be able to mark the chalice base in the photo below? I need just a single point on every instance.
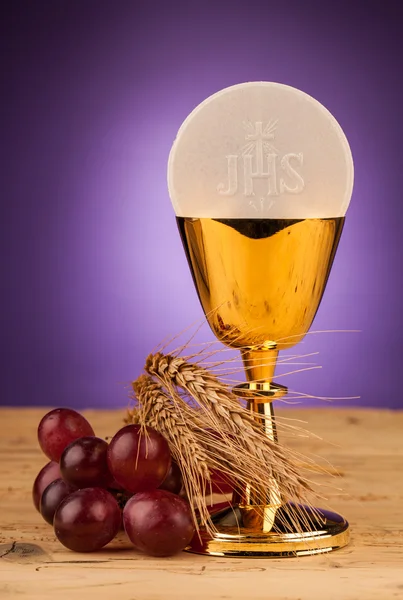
(326, 531)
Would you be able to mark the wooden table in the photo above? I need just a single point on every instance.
(366, 446)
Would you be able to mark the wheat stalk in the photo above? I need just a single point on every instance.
(156, 411)
(224, 413)
(207, 428)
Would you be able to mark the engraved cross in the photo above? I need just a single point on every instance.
(260, 133)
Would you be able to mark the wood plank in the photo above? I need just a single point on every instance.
(365, 446)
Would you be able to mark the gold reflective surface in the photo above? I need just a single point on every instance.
(260, 281)
(245, 543)
(328, 531)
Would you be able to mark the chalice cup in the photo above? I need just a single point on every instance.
(260, 176)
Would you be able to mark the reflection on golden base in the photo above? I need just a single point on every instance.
(327, 531)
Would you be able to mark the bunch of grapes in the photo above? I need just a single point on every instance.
(91, 489)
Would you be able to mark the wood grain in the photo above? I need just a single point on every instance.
(365, 446)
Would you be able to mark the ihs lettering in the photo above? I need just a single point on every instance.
(261, 161)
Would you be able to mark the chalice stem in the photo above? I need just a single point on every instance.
(259, 368)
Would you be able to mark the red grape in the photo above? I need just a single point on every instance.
(158, 523)
(221, 482)
(58, 428)
(138, 461)
(84, 463)
(173, 480)
(46, 475)
(51, 498)
(87, 520)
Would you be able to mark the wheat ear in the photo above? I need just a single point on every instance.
(223, 412)
(156, 410)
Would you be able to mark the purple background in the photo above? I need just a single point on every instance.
(94, 275)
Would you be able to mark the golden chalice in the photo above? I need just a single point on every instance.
(260, 176)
